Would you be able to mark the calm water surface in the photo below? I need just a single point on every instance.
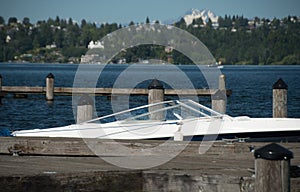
(251, 86)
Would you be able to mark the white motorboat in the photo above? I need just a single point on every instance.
(169, 119)
(217, 65)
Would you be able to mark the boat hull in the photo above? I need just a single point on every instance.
(191, 129)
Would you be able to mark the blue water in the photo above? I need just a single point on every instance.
(251, 86)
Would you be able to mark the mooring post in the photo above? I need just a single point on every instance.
(85, 109)
(178, 135)
(272, 165)
(218, 101)
(50, 87)
(156, 95)
(219, 98)
(0, 82)
(280, 99)
(1, 93)
(222, 84)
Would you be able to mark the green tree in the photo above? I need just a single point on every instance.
(58, 38)
(209, 24)
(57, 21)
(131, 23)
(12, 20)
(83, 23)
(26, 21)
(147, 20)
(2, 21)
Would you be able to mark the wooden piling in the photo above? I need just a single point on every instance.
(272, 164)
(156, 95)
(50, 87)
(280, 99)
(219, 98)
(219, 102)
(85, 109)
(1, 89)
(178, 135)
(222, 84)
(0, 82)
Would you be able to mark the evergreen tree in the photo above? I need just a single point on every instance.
(2, 21)
(26, 21)
(131, 23)
(12, 20)
(147, 20)
(57, 20)
(209, 23)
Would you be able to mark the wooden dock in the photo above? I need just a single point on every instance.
(106, 91)
(67, 164)
(50, 90)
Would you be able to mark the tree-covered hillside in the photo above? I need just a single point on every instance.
(261, 41)
(234, 40)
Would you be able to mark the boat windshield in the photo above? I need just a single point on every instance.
(162, 111)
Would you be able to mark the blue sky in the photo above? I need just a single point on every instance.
(124, 11)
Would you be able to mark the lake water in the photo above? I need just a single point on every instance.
(251, 86)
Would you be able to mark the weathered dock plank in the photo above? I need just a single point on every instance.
(67, 164)
(79, 147)
(106, 91)
(23, 89)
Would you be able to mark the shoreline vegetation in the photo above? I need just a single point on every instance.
(234, 40)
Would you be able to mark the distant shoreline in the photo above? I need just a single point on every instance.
(24, 63)
(231, 40)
